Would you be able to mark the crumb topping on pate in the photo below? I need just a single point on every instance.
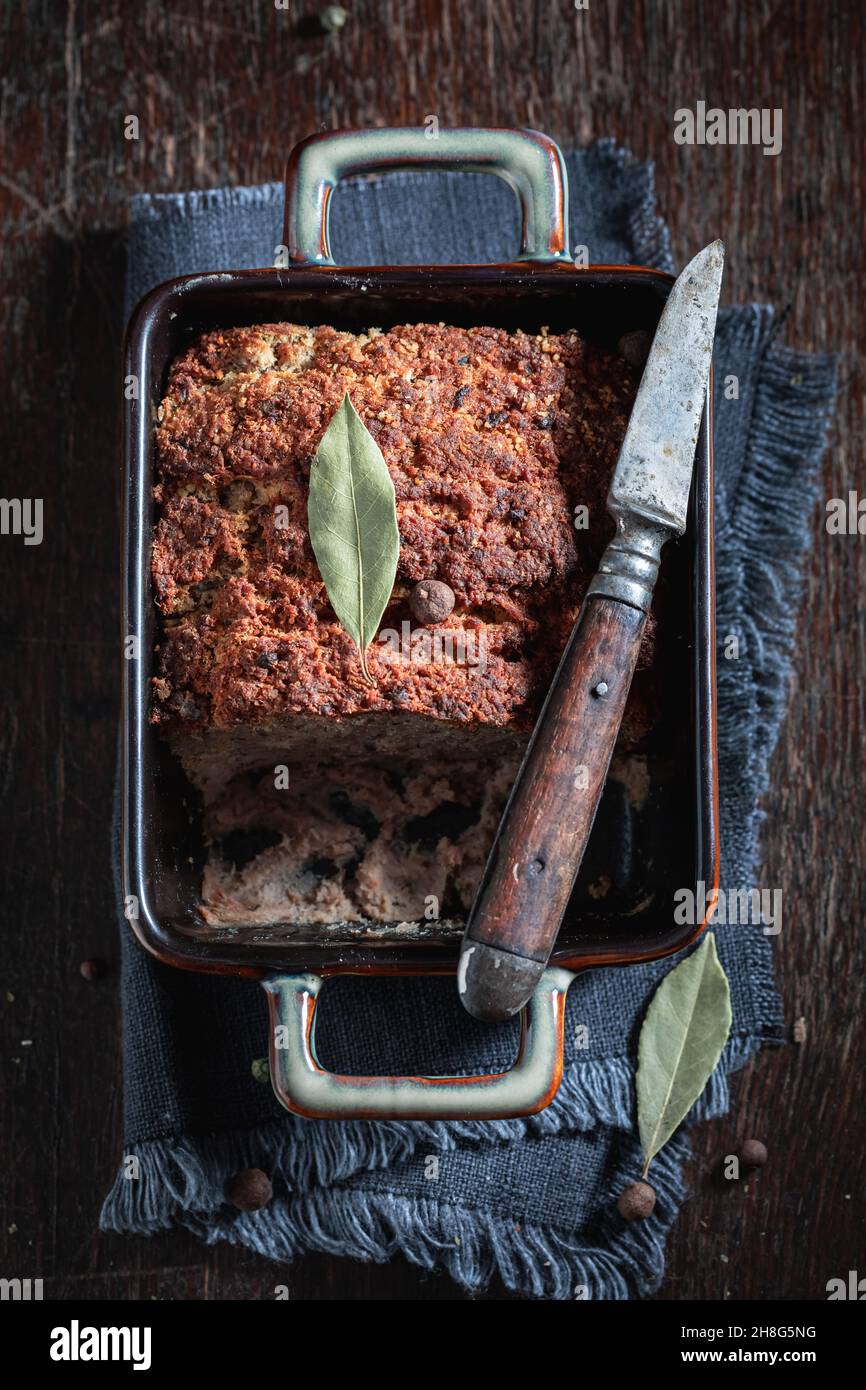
(491, 438)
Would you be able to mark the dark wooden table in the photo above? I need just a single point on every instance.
(221, 92)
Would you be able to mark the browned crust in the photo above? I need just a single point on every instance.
(491, 438)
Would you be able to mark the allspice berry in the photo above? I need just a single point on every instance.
(249, 1190)
(431, 601)
(636, 1203)
(753, 1154)
(92, 969)
(634, 347)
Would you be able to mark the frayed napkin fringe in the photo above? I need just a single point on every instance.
(619, 1261)
(771, 521)
(175, 1180)
(648, 232)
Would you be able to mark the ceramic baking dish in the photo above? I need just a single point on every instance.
(644, 854)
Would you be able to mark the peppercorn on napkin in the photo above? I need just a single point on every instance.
(532, 1201)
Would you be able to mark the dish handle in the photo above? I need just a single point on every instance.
(529, 162)
(303, 1086)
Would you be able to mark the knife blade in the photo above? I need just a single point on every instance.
(539, 846)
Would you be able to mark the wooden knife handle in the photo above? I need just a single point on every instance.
(544, 831)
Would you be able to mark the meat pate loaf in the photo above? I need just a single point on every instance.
(328, 800)
(351, 843)
(492, 440)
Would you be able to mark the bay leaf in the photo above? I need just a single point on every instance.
(352, 517)
(686, 1026)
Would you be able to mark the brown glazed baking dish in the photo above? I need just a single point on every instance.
(645, 854)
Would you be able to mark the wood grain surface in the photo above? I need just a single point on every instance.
(222, 90)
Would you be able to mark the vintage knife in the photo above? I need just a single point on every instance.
(541, 839)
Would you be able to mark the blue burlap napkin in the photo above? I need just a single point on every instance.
(533, 1200)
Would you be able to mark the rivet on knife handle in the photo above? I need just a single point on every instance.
(544, 831)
